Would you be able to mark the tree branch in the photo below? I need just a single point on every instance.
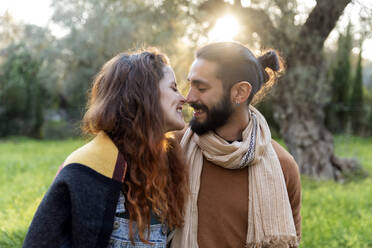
(238, 4)
(257, 20)
(214, 6)
(321, 22)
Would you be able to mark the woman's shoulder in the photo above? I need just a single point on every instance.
(100, 155)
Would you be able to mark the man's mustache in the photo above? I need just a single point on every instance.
(199, 106)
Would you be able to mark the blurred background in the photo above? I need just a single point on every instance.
(50, 50)
(320, 109)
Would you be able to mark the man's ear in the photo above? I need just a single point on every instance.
(240, 92)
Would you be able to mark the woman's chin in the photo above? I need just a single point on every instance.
(175, 126)
(181, 126)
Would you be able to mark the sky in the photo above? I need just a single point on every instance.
(38, 12)
(35, 12)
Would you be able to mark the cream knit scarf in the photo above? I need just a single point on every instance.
(270, 220)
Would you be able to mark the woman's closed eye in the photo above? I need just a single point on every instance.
(174, 89)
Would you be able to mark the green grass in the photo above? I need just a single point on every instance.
(27, 168)
(340, 215)
(333, 215)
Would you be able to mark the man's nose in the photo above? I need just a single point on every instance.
(191, 96)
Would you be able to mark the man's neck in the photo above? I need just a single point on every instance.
(235, 125)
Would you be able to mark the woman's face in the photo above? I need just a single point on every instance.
(171, 101)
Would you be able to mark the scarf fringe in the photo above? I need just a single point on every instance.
(275, 242)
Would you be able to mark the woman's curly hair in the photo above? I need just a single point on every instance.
(124, 102)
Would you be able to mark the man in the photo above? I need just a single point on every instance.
(245, 187)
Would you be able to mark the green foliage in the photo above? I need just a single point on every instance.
(347, 111)
(338, 109)
(369, 120)
(356, 99)
(368, 104)
(98, 30)
(10, 31)
(60, 129)
(22, 96)
(27, 78)
(333, 215)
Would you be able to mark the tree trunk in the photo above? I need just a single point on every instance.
(302, 95)
(302, 126)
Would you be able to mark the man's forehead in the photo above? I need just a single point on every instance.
(203, 70)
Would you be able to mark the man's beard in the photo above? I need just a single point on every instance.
(217, 116)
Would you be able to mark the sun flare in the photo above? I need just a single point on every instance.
(225, 29)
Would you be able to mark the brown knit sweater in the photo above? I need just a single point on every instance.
(223, 206)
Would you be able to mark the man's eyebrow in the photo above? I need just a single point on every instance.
(198, 81)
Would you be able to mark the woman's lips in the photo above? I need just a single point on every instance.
(179, 111)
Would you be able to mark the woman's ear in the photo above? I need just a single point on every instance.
(240, 92)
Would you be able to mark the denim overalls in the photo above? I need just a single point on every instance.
(120, 234)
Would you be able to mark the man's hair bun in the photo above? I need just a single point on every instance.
(270, 60)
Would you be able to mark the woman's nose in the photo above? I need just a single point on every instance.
(183, 99)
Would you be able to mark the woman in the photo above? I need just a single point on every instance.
(127, 187)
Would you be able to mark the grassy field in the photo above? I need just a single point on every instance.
(334, 215)
(337, 215)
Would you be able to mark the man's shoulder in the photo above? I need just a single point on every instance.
(287, 162)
